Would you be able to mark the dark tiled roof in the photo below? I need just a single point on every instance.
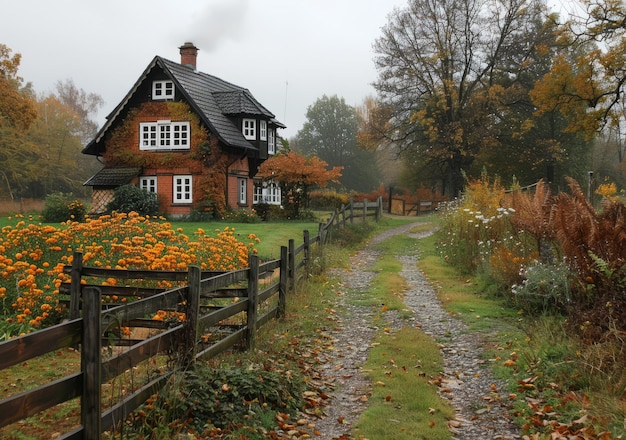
(113, 176)
(239, 102)
(213, 98)
(199, 89)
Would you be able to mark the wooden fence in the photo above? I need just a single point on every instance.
(21, 205)
(220, 311)
(402, 207)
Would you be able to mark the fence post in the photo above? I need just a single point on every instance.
(253, 295)
(364, 210)
(351, 209)
(282, 286)
(292, 264)
(321, 232)
(192, 312)
(75, 286)
(343, 215)
(379, 209)
(90, 360)
(307, 251)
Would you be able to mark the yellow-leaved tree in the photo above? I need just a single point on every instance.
(586, 83)
(17, 114)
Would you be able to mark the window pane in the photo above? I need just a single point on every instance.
(242, 191)
(164, 134)
(162, 90)
(182, 189)
(249, 129)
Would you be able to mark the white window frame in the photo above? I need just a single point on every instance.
(164, 135)
(163, 89)
(148, 183)
(248, 128)
(242, 191)
(267, 192)
(263, 130)
(182, 191)
(257, 197)
(275, 193)
(271, 141)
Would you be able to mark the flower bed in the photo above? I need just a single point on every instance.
(32, 257)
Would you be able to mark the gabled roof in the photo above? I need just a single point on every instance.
(211, 97)
(113, 176)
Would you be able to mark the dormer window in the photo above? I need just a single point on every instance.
(249, 129)
(164, 135)
(162, 90)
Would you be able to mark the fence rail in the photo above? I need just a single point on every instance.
(402, 207)
(261, 292)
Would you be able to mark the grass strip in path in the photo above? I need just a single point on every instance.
(403, 364)
(404, 404)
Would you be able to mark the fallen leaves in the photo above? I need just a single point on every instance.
(295, 429)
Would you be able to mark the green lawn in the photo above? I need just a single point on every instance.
(273, 235)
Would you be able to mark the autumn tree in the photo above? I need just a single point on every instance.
(41, 138)
(370, 137)
(441, 64)
(587, 83)
(17, 109)
(531, 145)
(297, 175)
(56, 137)
(330, 133)
(17, 114)
(85, 105)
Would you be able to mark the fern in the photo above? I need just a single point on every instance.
(532, 215)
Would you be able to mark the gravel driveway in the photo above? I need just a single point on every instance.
(473, 393)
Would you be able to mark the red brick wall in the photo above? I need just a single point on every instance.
(236, 171)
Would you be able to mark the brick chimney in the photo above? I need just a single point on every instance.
(188, 54)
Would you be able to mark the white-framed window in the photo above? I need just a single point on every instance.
(148, 183)
(164, 135)
(267, 192)
(257, 197)
(263, 130)
(271, 141)
(182, 190)
(243, 191)
(162, 90)
(249, 129)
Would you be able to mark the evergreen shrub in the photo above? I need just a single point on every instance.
(60, 207)
(130, 198)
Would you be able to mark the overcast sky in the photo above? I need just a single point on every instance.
(288, 53)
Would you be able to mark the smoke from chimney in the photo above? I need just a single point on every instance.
(216, 23)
